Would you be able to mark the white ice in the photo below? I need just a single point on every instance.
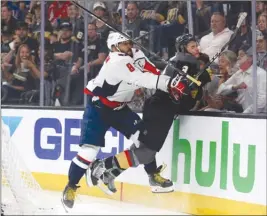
(84, 205)
(87, 205)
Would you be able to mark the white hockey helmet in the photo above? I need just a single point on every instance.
(114, 38)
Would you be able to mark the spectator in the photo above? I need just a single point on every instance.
(36, 24)
(21, 37)
(53, 38)
(97, 51)
(29, 20)
(262, 50)
(234, 8)
(23, 10)
(242, 82)
(244, 36)
(19, 77)
(260, 8)
(6, 38)
(172, 27)
(204, 60)
(56, 11)
(220, 35)
(76, 20)
(8, 22)
(202, 21)
(154, 10)
(134, 22)
(227, 61)
(49, 70)
(100, 10)
(66, 56)
(262, 22)
(216, 102)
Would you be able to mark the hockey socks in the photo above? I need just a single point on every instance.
(75, 174)
(120, 162)
(77, 169)
(151, 167)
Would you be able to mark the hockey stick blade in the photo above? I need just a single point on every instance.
(136, 42)
(241, 19)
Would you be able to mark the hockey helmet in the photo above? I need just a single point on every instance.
(182, 41)
(114, 38)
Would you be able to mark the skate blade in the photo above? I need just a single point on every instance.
(88, 178)
(101, 185)
(64, 206)
(157, 189)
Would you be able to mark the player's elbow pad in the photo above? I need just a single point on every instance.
(162, 83)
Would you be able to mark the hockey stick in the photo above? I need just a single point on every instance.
(197, 82)
(241, 19)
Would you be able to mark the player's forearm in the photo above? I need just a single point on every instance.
(151, 81)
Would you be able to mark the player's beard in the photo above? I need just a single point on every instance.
(130, 52)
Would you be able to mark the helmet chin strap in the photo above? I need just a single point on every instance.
(117, 47)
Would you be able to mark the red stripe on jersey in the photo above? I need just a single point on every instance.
(84, 160)
(105, 101)
(151, 68)
(107, 59)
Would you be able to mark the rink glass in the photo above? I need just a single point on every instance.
(154, 38)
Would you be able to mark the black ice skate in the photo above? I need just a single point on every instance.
(69, 195)
(98, 175)
(159, 184)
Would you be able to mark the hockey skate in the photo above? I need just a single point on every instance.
(159, 184)
(69, 195)
(98, 175)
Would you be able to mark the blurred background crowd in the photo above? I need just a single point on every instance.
(68, 64)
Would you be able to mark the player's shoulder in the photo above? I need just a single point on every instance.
(137, 53)
(135, 50)
(116, 57)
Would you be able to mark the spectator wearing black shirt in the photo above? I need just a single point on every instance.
(100, 10)
(203, 17)
(76, 20)
(97, 51)
(66, 51)
(8, 22)
(66, 57)
(20, 77)
(244, 36)
(6, 38)
(134, 22)
(21, 37)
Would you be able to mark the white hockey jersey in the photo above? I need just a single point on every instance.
(121, 75)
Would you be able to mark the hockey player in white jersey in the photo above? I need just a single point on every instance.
(107, 107)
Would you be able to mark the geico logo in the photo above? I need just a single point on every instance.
(54, 138)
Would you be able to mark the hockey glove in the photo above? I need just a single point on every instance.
(177, 87)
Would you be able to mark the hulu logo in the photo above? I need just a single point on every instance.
(206, 179)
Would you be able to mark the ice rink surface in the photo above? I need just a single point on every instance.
(86, 205)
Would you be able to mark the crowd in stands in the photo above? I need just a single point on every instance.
(155, 24)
